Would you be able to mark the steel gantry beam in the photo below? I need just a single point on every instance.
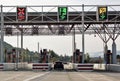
(47, 20)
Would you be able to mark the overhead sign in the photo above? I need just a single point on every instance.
(62, 11)
(102, 13)
(21, 13)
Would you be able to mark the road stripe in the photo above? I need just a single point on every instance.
(40, 75)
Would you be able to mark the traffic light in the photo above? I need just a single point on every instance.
(102, 13)
(21, 13)
(62, 11)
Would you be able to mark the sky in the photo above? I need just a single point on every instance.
(60, 44)
(57, 2)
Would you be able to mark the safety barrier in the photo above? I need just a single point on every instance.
(113, 67)
(83, 67)
(1, 67)
(41, 67)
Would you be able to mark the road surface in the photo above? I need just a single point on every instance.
(58, 76)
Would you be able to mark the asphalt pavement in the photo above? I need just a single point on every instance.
(58, 76)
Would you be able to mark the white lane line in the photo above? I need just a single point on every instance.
(36, 76)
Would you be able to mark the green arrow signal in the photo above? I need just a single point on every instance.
(62, 13)
(62, 17)
(102, 16)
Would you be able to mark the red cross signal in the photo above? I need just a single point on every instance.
(21, 13)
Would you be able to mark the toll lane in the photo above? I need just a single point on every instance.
(77, 76)
(19, 75)
(58, 76)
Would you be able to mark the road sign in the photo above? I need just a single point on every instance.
(21, 13)
(62, 11)
(102, 13)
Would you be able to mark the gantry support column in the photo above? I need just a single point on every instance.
(22, 44)
(105, 52)
(83, 45)
(2, 37)
(74, 45)
(114, 60)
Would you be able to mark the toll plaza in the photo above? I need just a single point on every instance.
(103, 20)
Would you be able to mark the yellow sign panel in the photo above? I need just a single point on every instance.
(102, 10)
(102, 13)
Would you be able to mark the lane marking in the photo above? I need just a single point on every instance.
(40, 75)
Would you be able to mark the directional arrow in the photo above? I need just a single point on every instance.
(102, 16)
(62, 17)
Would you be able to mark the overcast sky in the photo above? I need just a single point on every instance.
(57, 2)
(60, 44)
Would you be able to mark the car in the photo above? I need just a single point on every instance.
(58, 66)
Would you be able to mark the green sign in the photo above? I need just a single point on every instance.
(62, 13)
(102, 13)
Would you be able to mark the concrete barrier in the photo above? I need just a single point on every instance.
(22, 66)
(1, 67)
(107, 67)
(48, 66)
(41, 67)
(83, 67)
(99, 67)
(113, 67)
(19, 66)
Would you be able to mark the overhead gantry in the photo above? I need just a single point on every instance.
(103, 20)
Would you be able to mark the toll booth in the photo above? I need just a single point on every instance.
(77, 56)
(108, 57)
(43, 56)
(13, 55)
(10, 56)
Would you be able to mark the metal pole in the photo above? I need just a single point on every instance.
(17, 52)
(38, 47)
(114, 58)
(105, 47)
(74, 47)
(105, 52)
(42, 14)
(18, 46)
(22, 43)
(2, 37)
(83, 33)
